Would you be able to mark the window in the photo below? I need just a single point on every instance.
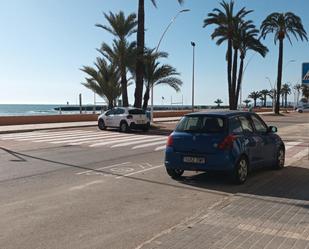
(235, 126)
(258, 124)
(245, 124)
(110, 112)
(201, 124)
(119, 111)
(136, 112)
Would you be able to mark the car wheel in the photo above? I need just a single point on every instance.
(300, 111)
(147, 127)
(124, 127)
(241, 170)
(279, 163)
(175, 173)
(101, 125)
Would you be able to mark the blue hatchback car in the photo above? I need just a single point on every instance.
(232, 141)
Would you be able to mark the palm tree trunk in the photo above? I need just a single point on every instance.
(229, 71)
(124, 88)
(146, 98)
(234, 78)
(286, 100)
(254, 103)
(265, 100)
(140, 53)
(239, 81)
(279, 77)
(110, 103)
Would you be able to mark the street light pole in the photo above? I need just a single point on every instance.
(274, 93)
(193, 46)
(157, 48)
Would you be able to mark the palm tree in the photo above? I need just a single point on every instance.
(264, 93)
(305, 91)
(254, 95)
(122, 53)
(286, 90)
(104, 80)
(283, 25)
(218, 102)
(140, 52)
(271, 94)
(121, 27)
(247, 101)
(297, 88)
(156, 74)
(248, 40)
(226, 23)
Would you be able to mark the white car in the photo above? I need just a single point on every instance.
(124, 118)
(302, 109)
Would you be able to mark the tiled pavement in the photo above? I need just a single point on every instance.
(271, 215)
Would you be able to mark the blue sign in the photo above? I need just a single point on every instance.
(305, 73)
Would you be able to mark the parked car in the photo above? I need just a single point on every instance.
(304, 108)
(124, 118)
(230, 141)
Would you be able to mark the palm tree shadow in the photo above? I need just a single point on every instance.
(290, 183)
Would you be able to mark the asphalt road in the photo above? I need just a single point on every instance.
(83, 188)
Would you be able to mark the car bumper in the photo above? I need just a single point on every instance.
(222, 161)
(139, 126)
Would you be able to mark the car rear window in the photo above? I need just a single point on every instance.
(136, 111)
(202, 124)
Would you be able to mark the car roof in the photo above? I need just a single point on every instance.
(219, 113)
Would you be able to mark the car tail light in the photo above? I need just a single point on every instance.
(170, 141)
(129, 117)
(227, 143)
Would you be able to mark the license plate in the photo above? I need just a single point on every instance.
(197, 160)
(140, 122)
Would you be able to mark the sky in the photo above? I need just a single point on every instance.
(44, 43)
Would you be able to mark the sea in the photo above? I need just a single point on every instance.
(29, 109)
(26, 110)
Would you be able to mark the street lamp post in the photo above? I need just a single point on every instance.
(242, 76)
(157, 48)
(193, 46)
(274, 93)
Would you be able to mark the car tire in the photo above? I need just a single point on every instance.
(280, 158)
(101, 125)
(175, 173)
(241, 171)
(124, 127)
(147, 127)
(300, 111)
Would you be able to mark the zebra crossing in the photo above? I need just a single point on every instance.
(94, 139)
(295, 150)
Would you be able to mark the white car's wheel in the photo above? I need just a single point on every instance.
(124, 126)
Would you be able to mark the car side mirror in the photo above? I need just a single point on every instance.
(272, 129)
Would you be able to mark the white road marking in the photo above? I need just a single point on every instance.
(117, 140)
(149, 144)
(108, 139)
(106, 167)
(160, 148)
(42, 137)
(35, 134)
(140, 171)
(304, 152)
(92, 138)
(83, 138)
(59, 137)
(290, 145)
(137, 142)
(85, 185)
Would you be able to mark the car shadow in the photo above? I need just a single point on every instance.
(290, 182)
